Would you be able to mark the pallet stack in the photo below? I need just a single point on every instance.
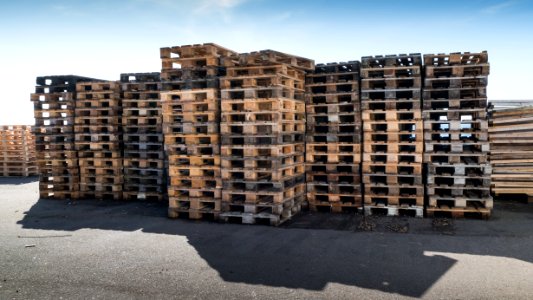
(54, 111)
(333, 137)
(98, 139)
(191, 117)
(456, 134)
(17, 146)
(262, 129)
(511, 152)
(144, 161)
(392, 130)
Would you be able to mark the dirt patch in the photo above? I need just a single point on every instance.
(367, 224)
(443, 226)
(399, 227)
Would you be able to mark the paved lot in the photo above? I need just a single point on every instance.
(53, 250)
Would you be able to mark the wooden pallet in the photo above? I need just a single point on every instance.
(393, 210)
(391, 72)
(458, 212)
(265, 92)
(322, 177)
(333, 169)
(392, 179)
(405, 190)
(391, 168)
(398, 61)
(336, 188)
(481, 69)
(385, 96)
(391, 104)
(270, 57)
(388, 83)
(264, 214)
(333, 98)
(394, 200)
(186, 193)
(334, 207)
(263, 163)
(331, 158)
(235, 81)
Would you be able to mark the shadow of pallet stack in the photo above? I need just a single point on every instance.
(456, 135)
(18, 157)
(262, 129)
(98, 139)
(511, 153)
(333, 138)
(144, 161)
(392, 130)
(54, 111)
(191, 117)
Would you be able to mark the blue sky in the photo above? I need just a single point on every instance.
(102, 39)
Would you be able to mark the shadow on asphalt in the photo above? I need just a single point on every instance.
(290, 256)
(18, 180)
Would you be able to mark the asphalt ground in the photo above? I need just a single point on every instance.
(107, 250)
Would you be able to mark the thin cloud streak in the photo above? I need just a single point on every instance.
(198, 6)
(496, 8)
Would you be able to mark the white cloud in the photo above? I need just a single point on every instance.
(223, 8)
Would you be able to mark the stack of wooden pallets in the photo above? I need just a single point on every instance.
(17, 146)
(511, 152)
(392, 130)
(262, 129)
(191, 116)
(456, 135)
(227, 134)
(53, 106)
(98, 139)
(333, 137)
(144, 168)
